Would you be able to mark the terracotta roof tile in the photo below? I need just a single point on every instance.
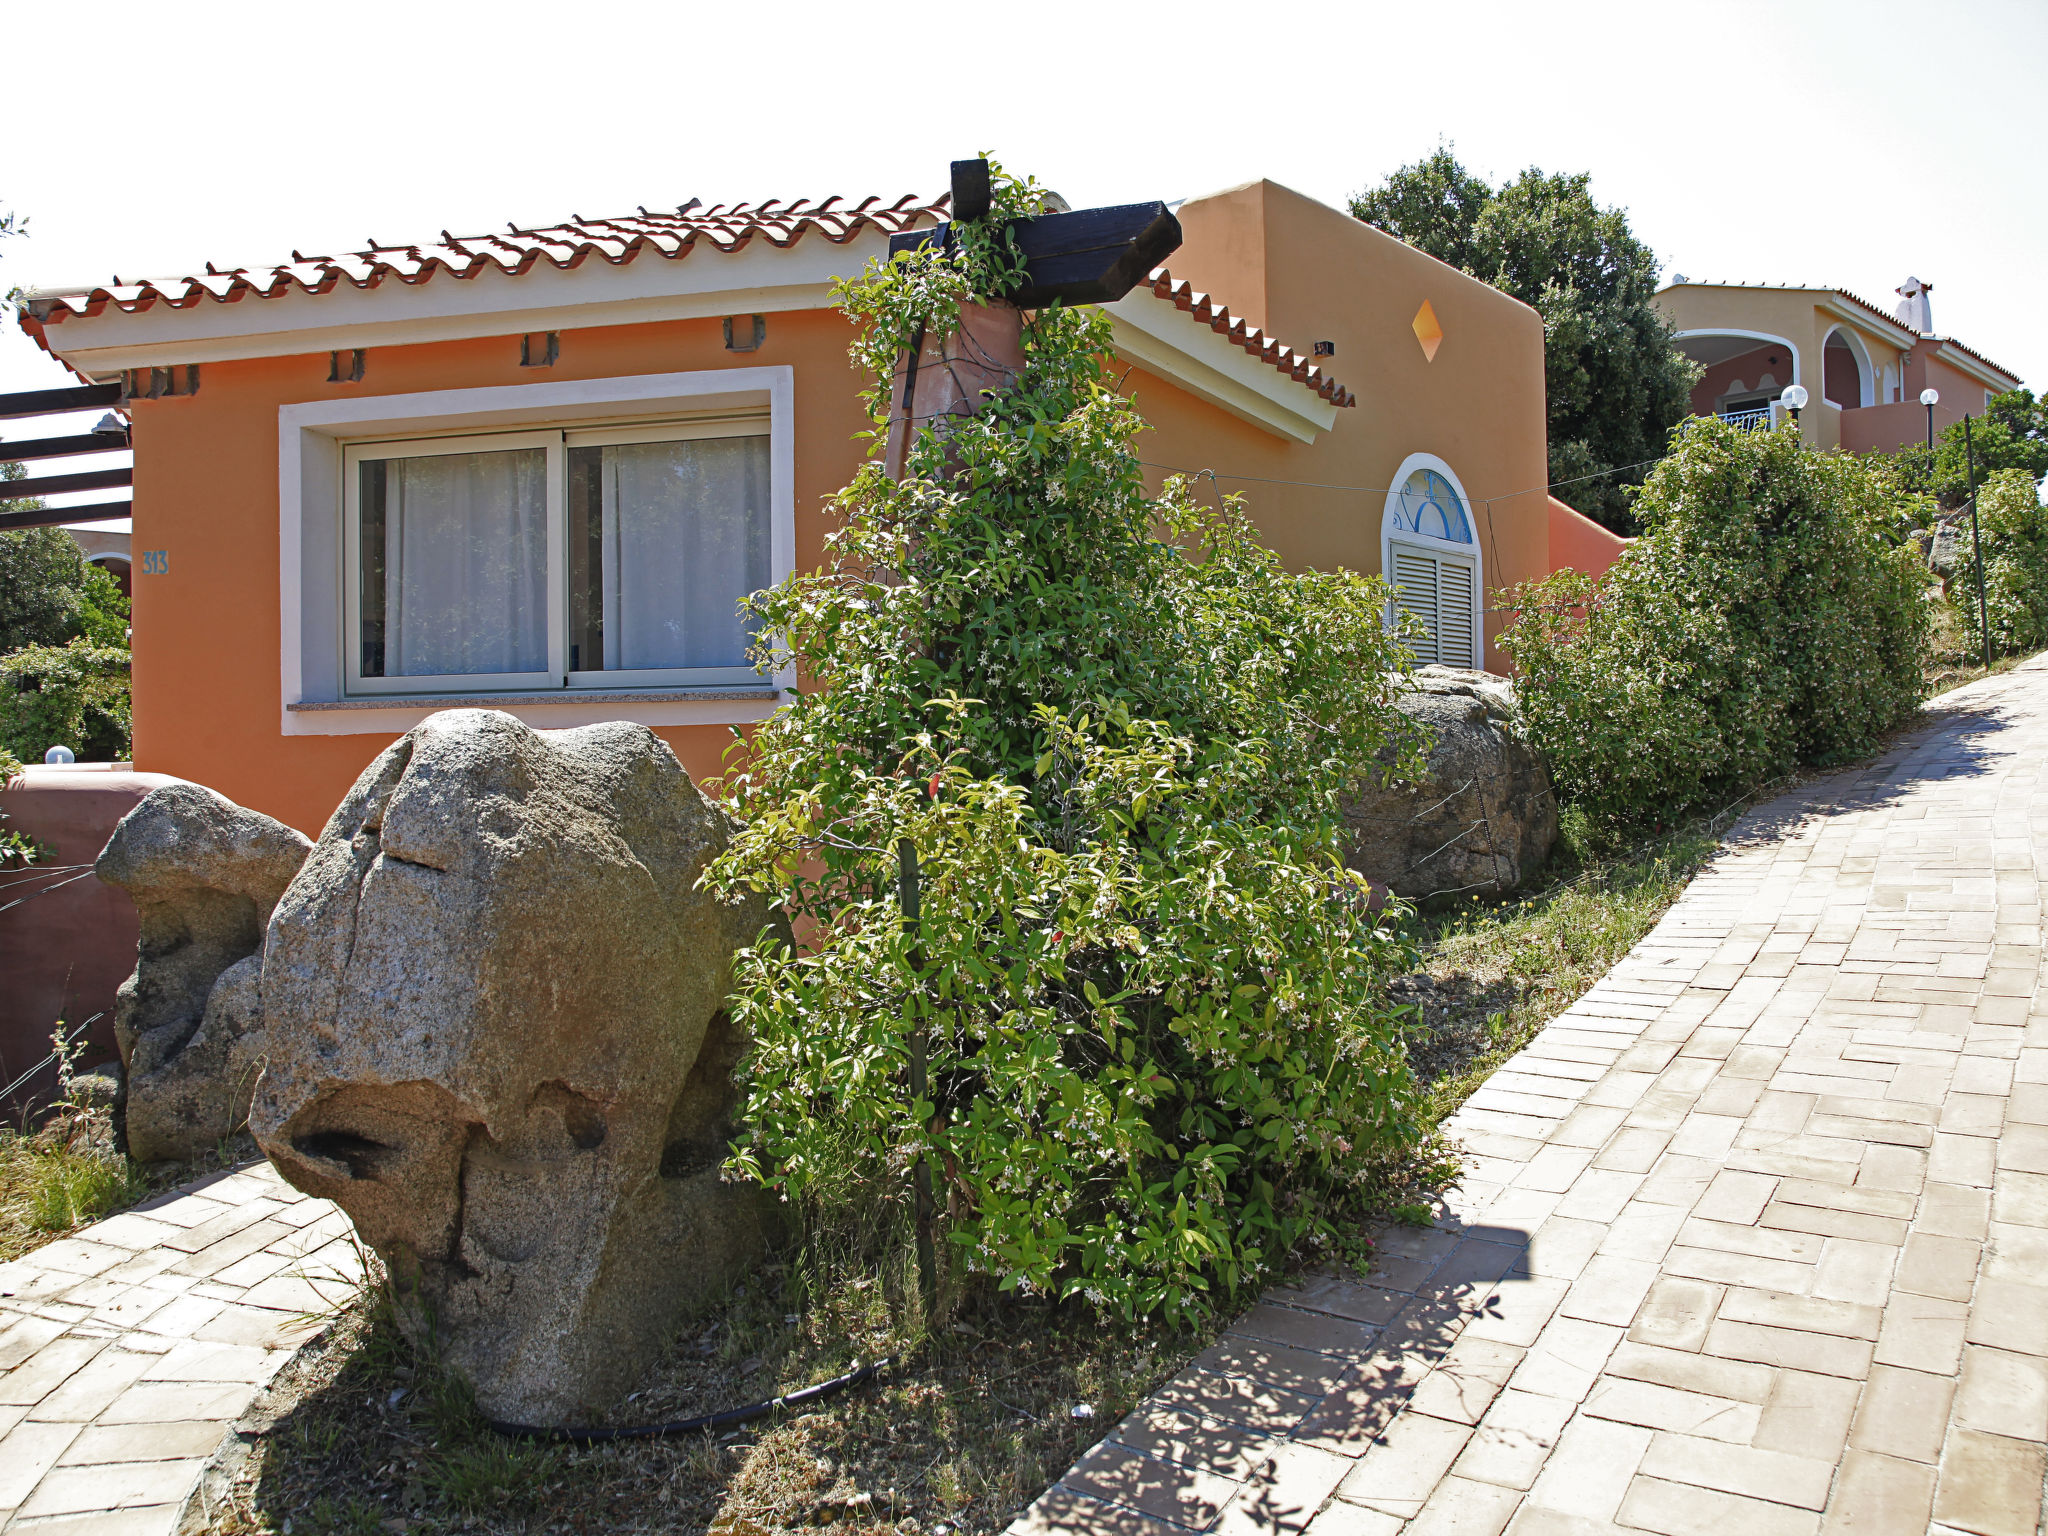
(1217, 317)
(724, 227)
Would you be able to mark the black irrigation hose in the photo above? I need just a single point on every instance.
(709, 1421)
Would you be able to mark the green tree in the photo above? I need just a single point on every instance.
(49, 591)
(1116, 732)
(2011, 434)
(2014, 529)
(1615, 383)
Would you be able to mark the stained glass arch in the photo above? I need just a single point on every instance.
(1426, 502)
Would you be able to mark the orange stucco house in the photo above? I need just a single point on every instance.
(1863, 370)
(537, 470)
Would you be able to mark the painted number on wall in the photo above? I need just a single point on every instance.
(156, 562)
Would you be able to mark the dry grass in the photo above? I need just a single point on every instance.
(1493, 975)
(56, 1179)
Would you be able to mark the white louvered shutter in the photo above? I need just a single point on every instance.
(1415, 582)
(1454, 609)
(1438, 593)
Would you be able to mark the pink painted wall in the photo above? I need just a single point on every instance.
(1579, 542)
(1748, 367)
(63, 955)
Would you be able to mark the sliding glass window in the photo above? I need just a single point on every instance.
(557, 559)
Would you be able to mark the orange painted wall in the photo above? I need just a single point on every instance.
(207, 688)
(206, 491)
(1324, 276)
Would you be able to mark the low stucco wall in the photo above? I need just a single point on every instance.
(1579, 542)
(69, 945)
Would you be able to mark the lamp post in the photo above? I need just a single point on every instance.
(1795, 398)
(1930, 398)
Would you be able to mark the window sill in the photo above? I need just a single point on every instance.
(552, 696)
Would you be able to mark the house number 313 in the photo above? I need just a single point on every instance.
(156, 562)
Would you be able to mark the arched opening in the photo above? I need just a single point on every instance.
(1742, 373)
(117, 567)
(1847, 378)
(1429, 552)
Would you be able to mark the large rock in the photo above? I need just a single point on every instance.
(494, 1004)
(1483, 816)
(204, 874)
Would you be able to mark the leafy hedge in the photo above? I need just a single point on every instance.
(1765, 619)
(2013, 527)
(1115, 731)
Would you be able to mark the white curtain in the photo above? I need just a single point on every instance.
(685, 538)
(466, 564)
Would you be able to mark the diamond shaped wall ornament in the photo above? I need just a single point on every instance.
(1427, 331)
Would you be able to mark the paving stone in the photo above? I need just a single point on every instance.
(1410, 1457)
(1990, 1485)
(1283, 1493)
(1566, 1359)
(1292, 1370)
(1589, 1471)
(1462, 1507)
(2003, 1393)
(1802, 1481)
(1464, 1384)
(1793, 1348)
(1808, 1414)
(1255, 1404)
(48, 1369)
(1318, 1332)
(27, 1452)
(99, 1444)
(1939, 1266)
(1369, 1398)
(1677, 1313)
(1653, 1406)
(122, 1485)
(1879, 1496)
(1689, 1372)
(1812, 1314)
(88, 1392)
(1678, 1509)
(1059, 1511)
(1183, 1495)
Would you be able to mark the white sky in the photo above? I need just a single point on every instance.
(1843, 144)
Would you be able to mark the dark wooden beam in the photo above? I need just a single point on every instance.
(57, 485)
(1089, 256)
(47, 402)
(63, 447)
(50, 517)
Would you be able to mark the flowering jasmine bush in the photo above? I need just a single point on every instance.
(1764, 619)
(1116, 732)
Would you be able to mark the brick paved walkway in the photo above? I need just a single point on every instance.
(1754, 1238)
(129, 1350)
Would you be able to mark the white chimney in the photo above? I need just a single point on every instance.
(1914, 311)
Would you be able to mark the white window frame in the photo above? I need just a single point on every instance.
(313, 554)
(1392, 538)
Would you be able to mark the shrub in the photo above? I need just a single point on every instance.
(73, 695)
(2013, 527)
(1115, 731)
(1764, 619)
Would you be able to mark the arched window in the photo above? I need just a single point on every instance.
(1430, 554)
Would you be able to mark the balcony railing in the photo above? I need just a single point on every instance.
(1757, 418)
